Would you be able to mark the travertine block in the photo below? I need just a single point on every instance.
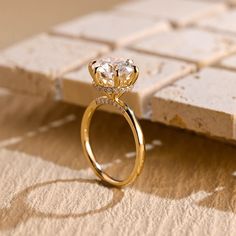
(203, 102)
(155, 72)
(110, 27)
(225, 22)
(179, 12)
(193, 45)
(32, 65)
(229, 63)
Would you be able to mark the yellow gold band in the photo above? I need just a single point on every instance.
(137, 133)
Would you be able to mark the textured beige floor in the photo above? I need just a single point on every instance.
(46, 188)
(188, 183)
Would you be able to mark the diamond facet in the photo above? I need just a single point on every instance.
(113, 76)
(125, 70)
(108, 68)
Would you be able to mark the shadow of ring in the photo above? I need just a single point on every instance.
(20, 198)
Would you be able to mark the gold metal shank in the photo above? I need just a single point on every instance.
(139, 142)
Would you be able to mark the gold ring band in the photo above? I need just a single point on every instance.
(136, 130)
(113, 77)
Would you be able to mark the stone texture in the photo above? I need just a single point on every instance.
(33, 65)
(179, 12)
(155, 72)
(203, 102)
(224, 22)
(187, 186)
(110, 27)
(194, 45)
(229, 63)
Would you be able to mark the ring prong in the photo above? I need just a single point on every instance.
(90, 68)
(96, 76)
(93, 71)
(116, 79)
(135, 75)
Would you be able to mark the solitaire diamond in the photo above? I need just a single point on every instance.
(113, 75)
(108, 68)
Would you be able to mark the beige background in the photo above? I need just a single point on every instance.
(21, 19)
(46, 188)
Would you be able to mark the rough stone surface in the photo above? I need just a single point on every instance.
(33, 65)
(229, 63)
(111, 27)
(203, 102)
(223, 23)
(195, 45)
(179, 12)
(187, 186)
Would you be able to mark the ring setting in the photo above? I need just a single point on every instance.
(114, 77)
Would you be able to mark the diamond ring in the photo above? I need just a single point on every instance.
(113, 77)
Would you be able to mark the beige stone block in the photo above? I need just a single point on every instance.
(203, 102)
(32, 65)
(229, 63)
(179, 12)
(193, 45)
(155, 72)
(225, 22)
(110, 27)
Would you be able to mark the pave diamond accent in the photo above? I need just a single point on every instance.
(113, 89)
(105, 100)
